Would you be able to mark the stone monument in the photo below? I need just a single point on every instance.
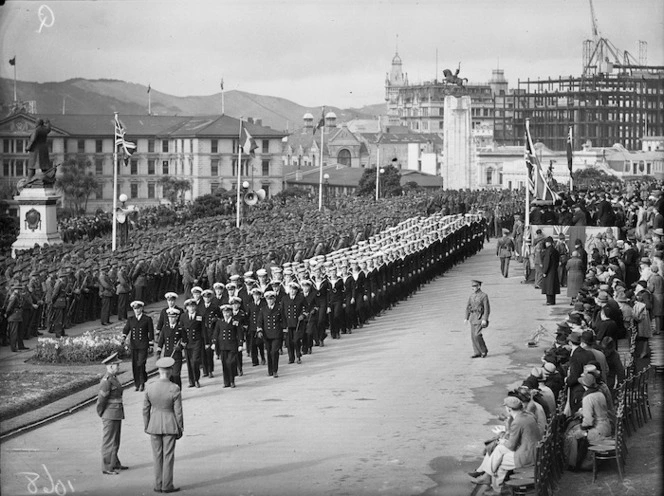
(459, 167)
(37, 196)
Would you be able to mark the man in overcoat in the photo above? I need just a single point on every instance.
(550, 284)
(111, 411)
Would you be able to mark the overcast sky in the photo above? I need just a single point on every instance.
(313, 52)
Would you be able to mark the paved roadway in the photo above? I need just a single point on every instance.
(397, 408)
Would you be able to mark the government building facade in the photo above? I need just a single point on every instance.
(200, 149)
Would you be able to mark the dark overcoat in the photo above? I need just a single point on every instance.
(550, 285)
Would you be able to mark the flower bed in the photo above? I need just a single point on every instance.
(90, 347)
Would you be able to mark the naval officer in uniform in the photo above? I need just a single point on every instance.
(477, 311)
(111, 411)
(140, 330)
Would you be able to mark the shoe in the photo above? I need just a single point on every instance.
(142, 388)
(232, 384)
(484, 479)
(191, 385)
(157, 490)
(227, 385)
(206, 375)
(270, 373)
(275, 375)
(24, 348)
(211, 375)
(254, 365)
(475, 474)
(198, 384)
(240, 373)
(291, 362)
(109, 472)
(475, 356)
(299, 360)
(262, 361)
(120, 467)
(136, 388)
(485, 354)
(171, 490)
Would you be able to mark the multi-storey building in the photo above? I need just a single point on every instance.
(419, 106)
(202, 150)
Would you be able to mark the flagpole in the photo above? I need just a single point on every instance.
(222, 97)
(320, 172)
(15, 99)
(238, 205)
(570, 160)
(527, 180)
(377, 169)
(115, 187)
(149, 101)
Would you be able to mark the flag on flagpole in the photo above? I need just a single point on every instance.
(321, 122)
(149, 87)
(128, 148)
(537, 183)
(248, 142)
(12, 61)
(222, 84)
(569, 150)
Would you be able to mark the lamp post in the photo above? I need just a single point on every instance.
(326, 178)
(380, 182)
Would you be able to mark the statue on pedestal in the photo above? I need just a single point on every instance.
(41, 173)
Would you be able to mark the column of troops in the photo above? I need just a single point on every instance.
(296, 303)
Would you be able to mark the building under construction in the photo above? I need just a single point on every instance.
(604, 108)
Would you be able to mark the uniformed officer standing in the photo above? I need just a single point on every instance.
(111, 411)
(164, 422)
(293, 313)
(210, 314)
(192, 322)
(477, 311)
(140, 330)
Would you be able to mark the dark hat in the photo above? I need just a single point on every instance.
(574, 338)
(112, 359)
(476, 282)
(165, 363)
(575, 318)
(602, 297)
(588, 337)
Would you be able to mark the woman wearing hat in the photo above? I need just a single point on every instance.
(592, 424)
(641, 316)
(575, 275)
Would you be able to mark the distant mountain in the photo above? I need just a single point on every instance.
(105, 96)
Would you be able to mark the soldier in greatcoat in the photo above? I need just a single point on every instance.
(111, 411)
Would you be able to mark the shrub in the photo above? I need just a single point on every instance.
(90, 347)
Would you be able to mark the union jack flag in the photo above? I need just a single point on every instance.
(127, 147)
(537, 184)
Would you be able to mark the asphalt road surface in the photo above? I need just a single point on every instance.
(396, 408)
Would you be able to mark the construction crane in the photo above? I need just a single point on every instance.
(600, 55)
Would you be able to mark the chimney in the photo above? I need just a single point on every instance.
(250, 120)
(259, 122)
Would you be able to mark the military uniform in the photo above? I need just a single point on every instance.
(477, 312)
(193, 327)
(270, 328)
(111, 411)
(293, 314)
(170, 342)
(227, 339)
(141, 335)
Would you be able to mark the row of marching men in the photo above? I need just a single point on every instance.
(294, 305)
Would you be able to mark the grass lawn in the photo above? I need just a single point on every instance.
(25, 390)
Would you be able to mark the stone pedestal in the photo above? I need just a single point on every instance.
(37, 218)
(459, 168)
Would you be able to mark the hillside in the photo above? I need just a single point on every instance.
(105, 96)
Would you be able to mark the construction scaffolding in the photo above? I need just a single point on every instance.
(620, 107)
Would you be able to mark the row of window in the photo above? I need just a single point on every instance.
(79, 146)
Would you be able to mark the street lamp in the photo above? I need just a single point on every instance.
(326, 178)
(380, 182)
(123, 198)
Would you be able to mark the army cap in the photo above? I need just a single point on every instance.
(165, 363)
(111, 359)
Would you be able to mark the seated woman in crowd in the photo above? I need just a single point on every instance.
(516, 449)
(616, 373)
(590, 424)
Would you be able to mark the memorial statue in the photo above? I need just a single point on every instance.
(454, 78)
(41, 173)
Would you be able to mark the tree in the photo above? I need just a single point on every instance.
(77, 182)
(390, 182)
(174, 188)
